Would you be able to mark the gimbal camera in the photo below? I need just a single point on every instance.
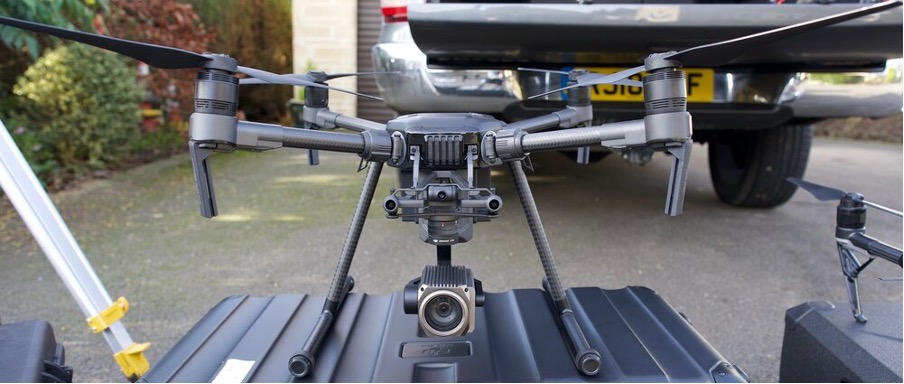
(450, 156)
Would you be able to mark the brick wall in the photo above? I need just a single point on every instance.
(324, 35)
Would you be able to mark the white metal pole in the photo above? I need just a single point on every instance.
(43, 220)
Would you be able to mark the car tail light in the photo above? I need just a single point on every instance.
(396, 11)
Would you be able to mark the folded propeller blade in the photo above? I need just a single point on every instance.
(154, 55)
(338, 75)
(563, 73)
(823, 193)
(158, 56)
(301, 80)
(591, 79)
(820, 192)
(308, 77)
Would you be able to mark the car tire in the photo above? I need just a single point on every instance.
(749, 168)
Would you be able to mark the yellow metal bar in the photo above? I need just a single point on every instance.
(132, 361)
(107, 317)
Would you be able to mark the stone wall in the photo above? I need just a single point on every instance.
(324, 38)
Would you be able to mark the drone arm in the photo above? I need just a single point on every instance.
(876, 248)
(565, 118)
(325, 119)
(515, 144)
(622, 134)
(665, 129)
(260, 136)
(669, 131)
(370, 145)
(537, 123)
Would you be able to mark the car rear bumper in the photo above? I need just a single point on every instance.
(415, 88)
(513, 35)
(743, 98)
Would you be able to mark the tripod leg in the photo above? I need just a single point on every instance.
(302, 363)
(586, 359)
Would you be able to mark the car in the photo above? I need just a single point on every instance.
(752, 113)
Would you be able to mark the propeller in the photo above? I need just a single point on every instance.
(153, 55)
(724, 52)
(159, 56)
(301, 80)
(590, 79)
(316, 77)
(563, 73)
(823, 193)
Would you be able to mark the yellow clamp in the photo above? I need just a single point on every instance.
(132, 361)
(107, 317)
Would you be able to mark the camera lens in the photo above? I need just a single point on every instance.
(443, 313)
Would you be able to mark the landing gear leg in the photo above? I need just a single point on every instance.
(302, 363)
(586, 359)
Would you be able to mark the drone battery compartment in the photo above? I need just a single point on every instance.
(517, 339)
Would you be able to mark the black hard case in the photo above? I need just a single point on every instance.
(29, 353)
(824, 344)
(517, 339)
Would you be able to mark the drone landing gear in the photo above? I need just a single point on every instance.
(302, 363)
(586, 359)
(851, 268)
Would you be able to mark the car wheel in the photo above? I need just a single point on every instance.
(749, 168)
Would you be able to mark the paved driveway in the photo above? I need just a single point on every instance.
(733, 272)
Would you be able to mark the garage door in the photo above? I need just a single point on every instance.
(369, 19)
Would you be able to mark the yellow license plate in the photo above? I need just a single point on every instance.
(699, 86)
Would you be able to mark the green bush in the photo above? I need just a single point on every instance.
(35, 149)
(83, 104)
(168, 139)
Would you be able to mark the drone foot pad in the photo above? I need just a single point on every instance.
(517, 339)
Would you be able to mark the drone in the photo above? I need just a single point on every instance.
(450, 156)
(850, 236)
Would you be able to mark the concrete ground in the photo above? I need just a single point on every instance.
(733, 272)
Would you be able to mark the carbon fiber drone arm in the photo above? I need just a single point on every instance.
(323, 118)
(666, 131)
(876, 248)
(565, 118)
